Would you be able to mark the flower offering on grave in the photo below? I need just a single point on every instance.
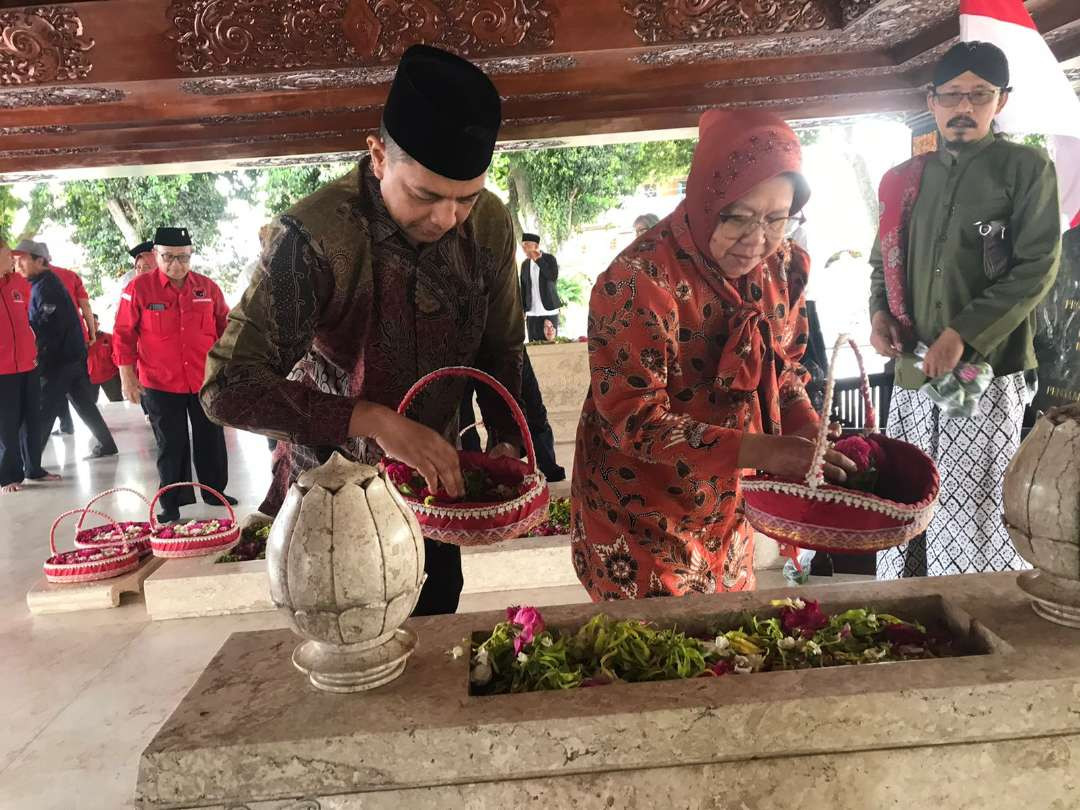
(522, 654)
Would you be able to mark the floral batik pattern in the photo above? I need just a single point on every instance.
(682, 363)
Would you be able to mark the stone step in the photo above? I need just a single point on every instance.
(197, 586)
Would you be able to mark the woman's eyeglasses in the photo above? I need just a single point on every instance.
(978, 98)
(736, 226)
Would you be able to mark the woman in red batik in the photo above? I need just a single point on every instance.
(695, 335)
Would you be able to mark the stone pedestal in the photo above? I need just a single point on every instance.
(994, 730)
(562, 371)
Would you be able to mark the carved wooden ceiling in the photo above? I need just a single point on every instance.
(146, 82)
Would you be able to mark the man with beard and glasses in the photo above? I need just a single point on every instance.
(968, 244)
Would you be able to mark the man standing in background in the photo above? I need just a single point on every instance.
(73, 283)
(101, 368)
(145, 262)
(166, 324)
(61, 348)
(968, 245)
(539, 288)
(20, 384)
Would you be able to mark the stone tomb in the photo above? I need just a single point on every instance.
(994, 730)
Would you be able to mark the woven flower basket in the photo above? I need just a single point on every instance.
(480, 524)
(826, 517)
(132, 533)
(88, 564)
(196, 537)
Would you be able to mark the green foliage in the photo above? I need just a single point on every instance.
(573, 289)
(567, 188)
(1035, 140)
(808, 137)
(97, 210)
(41, 208)
(9, 206)
(284, 186)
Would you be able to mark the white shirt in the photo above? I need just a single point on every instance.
(537, 307)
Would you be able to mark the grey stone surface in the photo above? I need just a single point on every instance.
(252, 730)
(1040, 773)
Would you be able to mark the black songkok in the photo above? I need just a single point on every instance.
(141, 248)
(172, 237)
(444, 112)
(530, 237)
(986, 61)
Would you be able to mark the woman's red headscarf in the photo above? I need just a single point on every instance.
(736, 151)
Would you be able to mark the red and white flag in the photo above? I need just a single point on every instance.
(1043, 101)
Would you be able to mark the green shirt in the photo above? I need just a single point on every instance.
(947, 286)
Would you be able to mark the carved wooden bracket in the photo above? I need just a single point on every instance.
(44, 44)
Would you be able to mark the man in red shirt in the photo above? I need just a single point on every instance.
(167, 322)
(20, 384)
(145, 261)
(61, 345)
(73, 283)
(101, 368)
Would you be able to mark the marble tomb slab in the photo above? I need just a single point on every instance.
(994, 730)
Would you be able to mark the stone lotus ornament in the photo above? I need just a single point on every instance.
(1042, 514)
(346, 564)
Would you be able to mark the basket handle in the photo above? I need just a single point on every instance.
(106, 493)
(476, 374)
(84, 510)
(815, 476)
(467, 428)
(154, 525)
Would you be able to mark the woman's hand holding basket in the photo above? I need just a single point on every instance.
(790, 457)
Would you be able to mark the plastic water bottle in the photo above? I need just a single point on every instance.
(792, 574)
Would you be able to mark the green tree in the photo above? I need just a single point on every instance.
(9, 206)
(573, 289)
(283, 186)
(560, 190)
(108, 216)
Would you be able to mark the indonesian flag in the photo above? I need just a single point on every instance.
(1042, 101)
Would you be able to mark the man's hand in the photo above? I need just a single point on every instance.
(790, 457)
(411, 443)
(130, 386)
(944, 354)
(885, 334)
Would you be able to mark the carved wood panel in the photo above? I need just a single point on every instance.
(216, 36)
(44, 44)
(231, 36)
(666, 21)
(58, 97)
(384, 29)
